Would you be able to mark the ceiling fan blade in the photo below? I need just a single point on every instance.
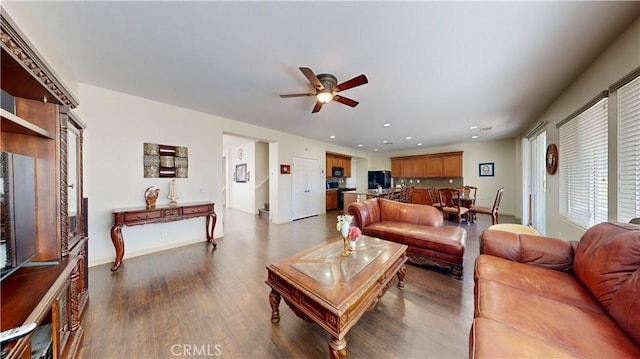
(297, 95)
(311, 77)
(346, 101)
(317, 107)
(356, 81)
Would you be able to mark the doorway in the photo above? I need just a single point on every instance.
(536, 181)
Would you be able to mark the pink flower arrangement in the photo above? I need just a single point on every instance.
(354, 233)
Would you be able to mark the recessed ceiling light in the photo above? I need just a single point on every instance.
(419, 143)
(474, 137)
(407, 138)
(387, 125)
(473, 127)
(385, 141)
(332, 136)
(360, 145)
(375, 150)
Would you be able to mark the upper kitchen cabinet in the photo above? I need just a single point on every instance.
(334, 160)
(437, 165)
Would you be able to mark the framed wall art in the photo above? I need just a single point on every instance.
(552, 159)
(486, 169)
(241, 173)
(285, 169)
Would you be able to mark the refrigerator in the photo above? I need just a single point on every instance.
(382, 178)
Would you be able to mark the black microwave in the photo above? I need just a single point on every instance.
(337, 172)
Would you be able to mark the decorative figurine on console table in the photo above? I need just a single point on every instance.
(172, 193)
(150, 197)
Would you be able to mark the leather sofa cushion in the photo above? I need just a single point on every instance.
(512, 343)
(625, 306)
(559, 324)
(547, 252)
(450, 240)
(409, 213)
(552, 284)
(606, 257)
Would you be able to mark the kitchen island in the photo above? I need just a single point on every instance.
(359, 196)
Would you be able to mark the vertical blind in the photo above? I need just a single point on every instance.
(583, 164)
(628, 107)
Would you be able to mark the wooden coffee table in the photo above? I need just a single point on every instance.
(323, 287)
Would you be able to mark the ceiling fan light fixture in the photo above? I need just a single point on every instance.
(325, 96)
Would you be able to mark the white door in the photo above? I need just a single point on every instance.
(307, 187)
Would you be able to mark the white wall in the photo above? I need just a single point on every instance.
(117, 127)
(242, 194)
(622, 56)
(262, 173)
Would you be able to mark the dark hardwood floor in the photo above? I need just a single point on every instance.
(197, 302)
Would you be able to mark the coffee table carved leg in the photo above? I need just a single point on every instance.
(401, 273)
(337, 348)
(274, 300)
(118, 244)
(211, 225)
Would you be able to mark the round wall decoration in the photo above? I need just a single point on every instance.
(552, 159)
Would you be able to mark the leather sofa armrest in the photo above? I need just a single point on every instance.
(365, 212)
(547, 252)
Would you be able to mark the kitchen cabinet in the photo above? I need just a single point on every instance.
(331, 199)
(419, 196)
(333, 160)
(452, 165)
(437, 165)
(420, 167)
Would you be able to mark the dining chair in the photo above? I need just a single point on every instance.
(492, 211)
(406, 196)
(434, 197)
(470, 192)
(451, 205)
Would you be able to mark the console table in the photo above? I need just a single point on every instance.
(160, 214)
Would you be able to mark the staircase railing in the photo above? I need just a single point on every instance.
(261, 183)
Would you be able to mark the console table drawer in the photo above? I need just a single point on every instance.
(172, 212)
(195, 210)
(139, 216)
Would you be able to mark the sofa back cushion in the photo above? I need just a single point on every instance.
(606, 261)
(625, 306)
(409, 213)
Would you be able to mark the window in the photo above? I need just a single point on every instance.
(583, 165)
(628, 106)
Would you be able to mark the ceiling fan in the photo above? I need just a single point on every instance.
(327, 87)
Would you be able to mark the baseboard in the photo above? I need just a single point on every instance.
(127, 255)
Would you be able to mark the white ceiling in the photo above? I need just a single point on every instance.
(434, 68)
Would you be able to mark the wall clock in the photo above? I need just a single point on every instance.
(552, 159)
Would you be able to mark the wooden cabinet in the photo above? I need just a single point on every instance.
(436, 165)
(452, 165)
(37, 123)
(419, 196)
(334, 160)
(331, 200)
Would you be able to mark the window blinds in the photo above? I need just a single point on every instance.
(583, 166)
(628, 106)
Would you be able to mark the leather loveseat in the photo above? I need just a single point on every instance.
(542, 297)
(420, 227)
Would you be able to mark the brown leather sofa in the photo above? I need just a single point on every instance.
(542, 297)
(418, 226)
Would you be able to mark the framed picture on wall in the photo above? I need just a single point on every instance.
(285, 169)
(485, 169)
(241, 172)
